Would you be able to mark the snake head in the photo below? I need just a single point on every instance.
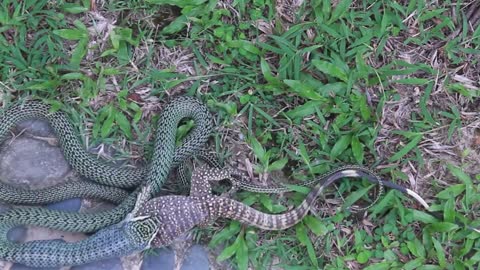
(142, 230)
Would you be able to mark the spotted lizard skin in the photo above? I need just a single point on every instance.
(179, 214)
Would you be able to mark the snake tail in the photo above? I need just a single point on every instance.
(228, 208)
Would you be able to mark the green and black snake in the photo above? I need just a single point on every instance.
(166, 156)
(153, 222)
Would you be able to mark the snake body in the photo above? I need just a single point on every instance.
(166, 155)
(156, 222)
(114, 241)
(93, 169)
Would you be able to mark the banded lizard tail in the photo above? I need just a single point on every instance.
(179, 214)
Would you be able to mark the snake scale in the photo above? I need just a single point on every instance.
(166, 156)
(160, 221)
(156, 222)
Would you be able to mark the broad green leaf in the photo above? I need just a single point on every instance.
(442, 261)
(303, 152)
(278, 164)
(340, 146)
(462, 176)
(266, 202)
(74, 8)
(228, 233)
(300, 189)
(450, 191)
(423, 104)
(442, 227)
(363, 256)
(355, 196)
(303, 89)
(244, 44)
(71, 34)
(267, 73)
(412, 81)
(73, 76)
(330, 69)
(357, 149)
(257, 148)
(55, 105)
(79, 52)
(379, 266)
(229, 107)
(414, 264)
(423, 217)
(242, 254)
(334, 88)
(340, 9)
(407, 148)
(179, 3)
(228, 251)
(416, 248)
(449, 210)
(108, 124)
(383, 203)
(102, 115)
(124, 124)
(304, 110)
(317, 226)
(176, 26)
(429, 14)
(303, 238)
(46, 85)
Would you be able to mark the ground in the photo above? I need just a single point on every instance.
(297, 88)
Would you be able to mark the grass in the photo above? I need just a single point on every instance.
(297, 88)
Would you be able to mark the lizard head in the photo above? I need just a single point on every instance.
(142, 230)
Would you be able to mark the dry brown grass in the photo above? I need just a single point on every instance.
(436, 148)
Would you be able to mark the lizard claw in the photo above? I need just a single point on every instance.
(142, 198)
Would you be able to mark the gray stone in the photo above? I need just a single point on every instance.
(162, 258)
(70, 205)
(32, 163)
(196, 259)
(17, 234)
(23, 267)
(36, 127)
(108, 264)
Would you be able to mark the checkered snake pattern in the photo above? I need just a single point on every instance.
(105, 180)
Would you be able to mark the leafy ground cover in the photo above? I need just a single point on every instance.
(298, 88)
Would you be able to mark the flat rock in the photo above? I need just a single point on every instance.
(196, 259)
(108, 264)
(164, 258)
(31, 163)
(36, 127)
(17, 234)
(70, 205)
(23, 267)
(161, 258)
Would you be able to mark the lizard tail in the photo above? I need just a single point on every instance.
(232, 209)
